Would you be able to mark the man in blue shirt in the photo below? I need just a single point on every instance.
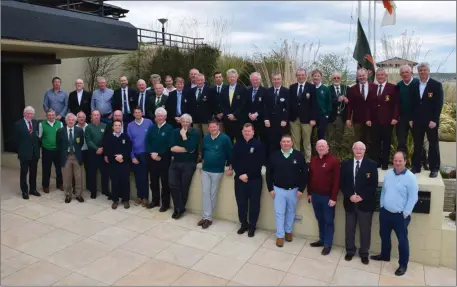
(56, 99)
(102, 101)
(398, 197)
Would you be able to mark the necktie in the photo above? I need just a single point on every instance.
(338, 91)
(357, 167)
(141, 102)
(199, 94)
(232, 90)
(276, 94)
(70, 139)
(254, 92)
(178, 104)
(126, 105)
(300, 91)
(363, 91)
(379, 90)
(218, 90)
(157, 100)
(30, 127)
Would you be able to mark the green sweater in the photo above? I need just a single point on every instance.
(324, 100)
(216, 152)
(191, 145)
(94, 135)
(158, 139)
(48, 136)
(405, 99)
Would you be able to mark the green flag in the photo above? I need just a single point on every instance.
(362, 52)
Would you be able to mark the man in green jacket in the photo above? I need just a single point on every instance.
(28, 150)
(324, 103)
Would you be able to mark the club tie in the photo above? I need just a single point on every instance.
(254, 92)
(141, 102)
(70, 139)
(126, 105)
(218, 90)
(338, 91)
(199, 94)
(357, 167)
(379, 90)
(300, 91)
(30, 127)
(157, 100)
(363, 91)
(231, 92)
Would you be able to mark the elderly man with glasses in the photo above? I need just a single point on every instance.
(338, 116)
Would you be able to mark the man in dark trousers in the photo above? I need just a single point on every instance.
(255, 99)
(28, 150)
(426, 103)
(248, 157)
(184, 150)
(70, 140)
(159, 158)
(79, 100)
(233, 100)
(358, 182)
(302, 113)
(175, 104)
(276, 114)
(125, 99)
(337, 118)
(217, 90)
(143, 97)
(287, 176)
(383, 118)
(117, 148)
(324, 182)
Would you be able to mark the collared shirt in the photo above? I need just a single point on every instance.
(199, 89)
(286, 154)
(422, 86)
(399, 192)
(218, 88)
(178, 102)
(40, 127)
(84, 147)
(101, 100)
(170, 90)
(56, 101)
(302, 85)
(407, 84)
(213, 138)
(355, 165)
(232, 87)
(27, 123)
(80, 96)
(117, 134)
(318, 86)
(139, 123)
(193, 85)
(161, 125)
(158, 99)
(366, 89)
(381, 88)
(68, 135)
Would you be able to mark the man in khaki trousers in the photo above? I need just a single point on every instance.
(70, 140)
(303, 113)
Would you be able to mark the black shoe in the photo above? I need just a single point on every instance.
(163, 208)
(326, 251)
(242, 229)
(426, 167)
(93, 196)
(174, 214)
(109, 197)
(415, 170)
(378, 165)
(152, 205)
(178, 215)
(68, 199)
(379, 258)
(34, 192)
(348, 257)
(433, 174)
(80, 199)
(317, 244)
(126, 204)
(365, 260)
(251, 232)
(400, 271)
(25, 195)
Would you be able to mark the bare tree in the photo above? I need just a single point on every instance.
(100, 66)
(331, 62)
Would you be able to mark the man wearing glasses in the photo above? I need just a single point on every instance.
(337, 118)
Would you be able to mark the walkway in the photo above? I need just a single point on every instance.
(47, 242)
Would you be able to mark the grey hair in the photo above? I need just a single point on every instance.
(141, 81)
(232, 71)
(256, 74)
(276, 74)
(156, 76)
(300, 70)
(79, 80)
(423, 65)
(362, 70)
(335, 73)
(29, 109)
(81, 112)
(187, 117)
(50, 111)
(99, 79)
(160, 111)
(406, 67)
(70, 115)
(157, 85)
(359, 143)
(201, 75)
(193, 69)
(95, 110)
(381, 70)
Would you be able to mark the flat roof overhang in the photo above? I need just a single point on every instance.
(67, 34)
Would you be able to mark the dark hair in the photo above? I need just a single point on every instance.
(179, 79)
(214, 122)
(248, 125)
(402, 153)
(56, 78)
(117, 121)
(287, 136)
(137, 108)
(168, 76)
(217, 72)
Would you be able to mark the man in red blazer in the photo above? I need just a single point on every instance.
(384, 113)
(360, 96)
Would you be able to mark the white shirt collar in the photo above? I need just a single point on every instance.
(141, 122)
(318, 86)
(213, 138)
(27, 122)
(233, 87)
(85, 125)
(51, 124)
(68, 128)
(366, 84)
(219, 86)
(117, 135)
(407, 84)
(79, 92)
(160, 126)
(301, 84)
(360, 161)
(425, 81)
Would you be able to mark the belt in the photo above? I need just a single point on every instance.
(286, 188)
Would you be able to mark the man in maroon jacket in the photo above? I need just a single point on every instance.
(360, 95)
(384, 115)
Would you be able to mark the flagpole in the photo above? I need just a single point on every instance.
(369, 21)
(374, 32)
(359, 10)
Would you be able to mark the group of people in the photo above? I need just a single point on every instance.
(160, 133)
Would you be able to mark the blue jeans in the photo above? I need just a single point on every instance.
(141, 175)
(285, 203)
(325, 216)
(389, 221)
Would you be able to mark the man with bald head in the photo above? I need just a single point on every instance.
(79, 100)
(192, 83)
(157, 100)
(143, 97)
(117, 116)
(125, 100)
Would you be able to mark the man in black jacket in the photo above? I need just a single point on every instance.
(255, 99)
(175, 104)
(158, 99)
(426, 104)
(276, 113)
(217, 90)
(358, 182)
(143, 97)
(125, 100)
(337, 118)
(302, 113)
(79, 100)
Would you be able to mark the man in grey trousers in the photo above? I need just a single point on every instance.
(216, 152)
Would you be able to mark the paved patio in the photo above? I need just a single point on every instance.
(47, 242)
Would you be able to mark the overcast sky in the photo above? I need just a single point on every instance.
(250, 26)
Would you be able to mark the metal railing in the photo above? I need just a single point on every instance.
(151, 37)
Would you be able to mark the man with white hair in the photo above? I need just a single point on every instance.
(337, 118)
(255, 99)
(143, 97)
(426, 104)
(28, 150)
(70, 140)
(124, 99)
(156, 79)
(158, 99)
(102, 101)
(358, 182)
(233, 101)
(79, 99)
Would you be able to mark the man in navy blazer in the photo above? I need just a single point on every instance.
(125, 99)
(358, 182)
(426, 105)
(255, 105)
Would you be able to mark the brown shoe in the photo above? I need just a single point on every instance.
(200, 223)
(115, 204)
(46, 189)
(206, 224)
(280, 242)
(289, 237)
(145, 203)
(138, 201)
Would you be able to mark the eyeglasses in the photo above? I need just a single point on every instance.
(336, 78)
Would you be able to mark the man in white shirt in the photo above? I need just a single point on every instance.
(79, 99)
(156, 79)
